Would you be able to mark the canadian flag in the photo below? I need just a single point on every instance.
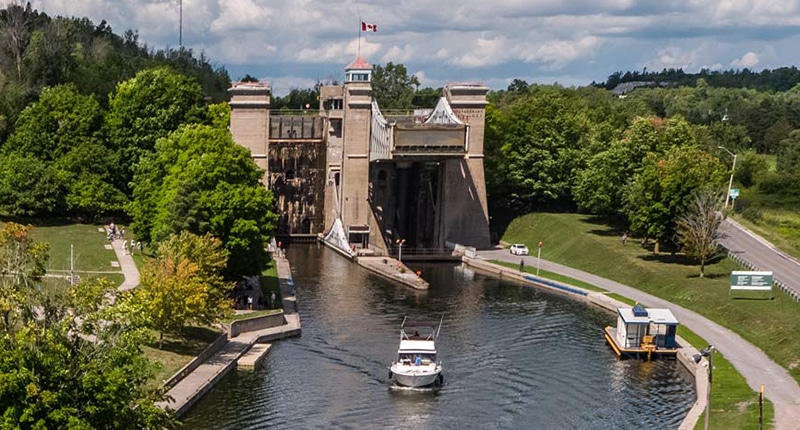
(369, 27)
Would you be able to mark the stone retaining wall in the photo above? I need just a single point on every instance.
(256, 323)
(197, 361)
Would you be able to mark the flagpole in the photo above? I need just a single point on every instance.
(358, 52)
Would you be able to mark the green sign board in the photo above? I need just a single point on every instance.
(734, 193)
(751, 280)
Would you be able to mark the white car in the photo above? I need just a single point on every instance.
(519, 249)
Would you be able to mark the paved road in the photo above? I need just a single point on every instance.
(751, 362)
(761, 255)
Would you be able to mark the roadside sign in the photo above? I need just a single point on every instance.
(751, 281)
(734, 193)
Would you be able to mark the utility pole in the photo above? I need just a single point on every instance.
(180, 23)
(730, 182)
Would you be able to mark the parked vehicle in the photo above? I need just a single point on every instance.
(519, 249)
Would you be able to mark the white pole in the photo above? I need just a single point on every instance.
(711, 350)
(730, 182)
(71, 265)
(538, 258)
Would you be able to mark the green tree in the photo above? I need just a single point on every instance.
(750, 168)
(77, 363)
(392, 87)
(28, 187)
(62, 130)
(183, 284)
(60, 120)
(147, 107)
(199, 180)
(544, 134)
(663, 189)
(697, 227)
(219, 115)
(426, 98)
(22, 266)
(789, 154)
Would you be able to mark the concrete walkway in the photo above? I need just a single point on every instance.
(126, 264)
(202, 379)
(756, 367)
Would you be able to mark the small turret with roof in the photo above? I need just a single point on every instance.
(358, 71)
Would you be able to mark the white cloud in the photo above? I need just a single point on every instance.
(748, 60)
(301, 40)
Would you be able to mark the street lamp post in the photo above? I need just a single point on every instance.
(730, 182)
(707, 352)
(400, 243)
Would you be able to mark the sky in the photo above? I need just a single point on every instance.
(294, 43)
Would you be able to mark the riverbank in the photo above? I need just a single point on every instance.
(685, 355)
(200, 376)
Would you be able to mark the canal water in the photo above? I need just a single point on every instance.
(513, 356)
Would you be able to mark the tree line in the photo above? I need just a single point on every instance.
(779, 79)
(638, 159)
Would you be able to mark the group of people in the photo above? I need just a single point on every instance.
(114, 234)
(132, 246)
(128, 247)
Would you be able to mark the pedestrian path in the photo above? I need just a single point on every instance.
(126, 264)
(185, 393)
(755, 366)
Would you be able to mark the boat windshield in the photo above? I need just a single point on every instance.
(411, 331)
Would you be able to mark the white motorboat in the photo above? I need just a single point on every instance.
(417, 364)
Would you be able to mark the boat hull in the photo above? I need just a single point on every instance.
(416, 378)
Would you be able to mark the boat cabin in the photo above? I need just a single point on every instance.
(417, 345)
(644, 332)
(636, 325)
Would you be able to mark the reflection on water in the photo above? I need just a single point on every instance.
(514, 357)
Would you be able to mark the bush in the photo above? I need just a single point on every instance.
(779, 184)
(751, 169)
(753, 213)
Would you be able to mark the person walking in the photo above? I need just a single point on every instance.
(624, 238)
(250, 302)
(125, 247)
(522, 265)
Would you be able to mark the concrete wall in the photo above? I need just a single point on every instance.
(256, 323)
(297, 180)
(466, 215)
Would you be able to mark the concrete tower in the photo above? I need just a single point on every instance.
(250, 119)
(467, 215)
(354, 185)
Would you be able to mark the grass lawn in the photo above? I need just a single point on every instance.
(177, 352)
(586, 243)
(733, 403)
(88, 247)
